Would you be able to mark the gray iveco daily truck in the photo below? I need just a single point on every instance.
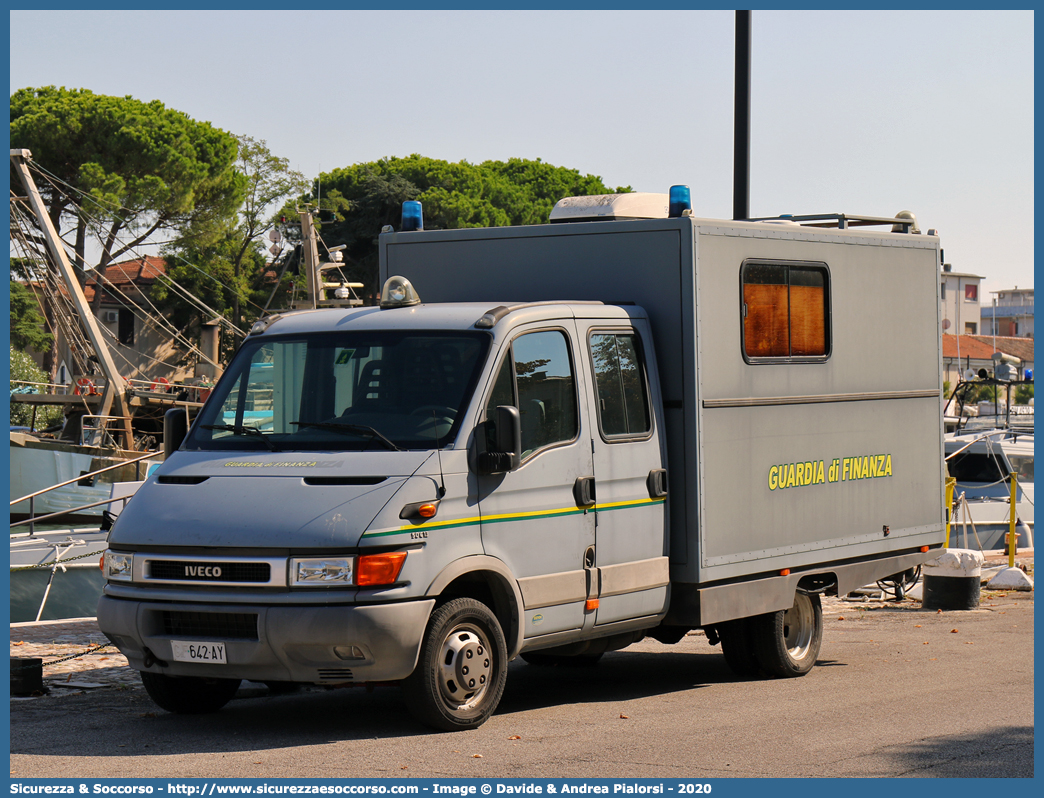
(549, 442)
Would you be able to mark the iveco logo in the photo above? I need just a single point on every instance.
(213, 572)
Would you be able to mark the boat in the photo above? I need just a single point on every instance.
(55, 572)
(982, 461)
(109, 420)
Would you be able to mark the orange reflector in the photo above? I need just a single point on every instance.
(427, 510)
(924, 549)
(101, 562)
(591, 605)
(785, 572)
(379, 569)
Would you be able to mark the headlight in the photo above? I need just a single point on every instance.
(321, 571)
(119, 567)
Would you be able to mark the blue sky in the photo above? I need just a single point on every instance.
(862, 112)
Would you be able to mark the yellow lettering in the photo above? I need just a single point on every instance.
(873, 467)
(888, 466)
(773, 477)
(821, 474)
(790, 476)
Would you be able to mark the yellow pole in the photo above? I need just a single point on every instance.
(951, 483)
(1011, 526)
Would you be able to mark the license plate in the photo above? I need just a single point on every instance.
(197, 651)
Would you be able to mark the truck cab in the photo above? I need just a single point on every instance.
(356, 473)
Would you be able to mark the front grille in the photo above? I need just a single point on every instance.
(335, 675)
(182, 571)
(234, 625)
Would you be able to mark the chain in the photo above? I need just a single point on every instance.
(63, 659)
(56, 562)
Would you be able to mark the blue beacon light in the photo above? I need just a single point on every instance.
(412, 216)
(680, 200)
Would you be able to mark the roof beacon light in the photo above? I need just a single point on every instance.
(680, 200)
(412, 216)
(398, 293)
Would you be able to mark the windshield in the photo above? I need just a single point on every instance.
(343, 391)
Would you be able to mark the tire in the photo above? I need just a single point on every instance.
(787, 642)
(461, 670)
(550, 660)
(189, 695)
(737, 644)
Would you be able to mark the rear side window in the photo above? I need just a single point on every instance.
(786, 311)
(622, 399)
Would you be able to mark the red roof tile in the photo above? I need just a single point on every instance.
(969, 347)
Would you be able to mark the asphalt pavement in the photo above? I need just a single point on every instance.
(898, 692)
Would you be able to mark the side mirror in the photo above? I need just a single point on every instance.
(175, 428)
(507, 435)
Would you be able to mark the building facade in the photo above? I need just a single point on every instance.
(1010, 314)
(959, 299)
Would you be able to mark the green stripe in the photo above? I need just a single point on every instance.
(521, 517)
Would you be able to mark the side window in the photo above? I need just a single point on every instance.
(621, 396)
(786, 311)
(538, 379)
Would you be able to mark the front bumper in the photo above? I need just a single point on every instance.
(272, 643)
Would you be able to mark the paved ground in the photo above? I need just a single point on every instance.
(898, 691)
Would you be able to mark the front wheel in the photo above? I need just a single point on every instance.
(462, 668)
(787, 642)
(188, 695)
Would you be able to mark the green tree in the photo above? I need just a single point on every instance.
(27, 325)
(367, 196)
(24, 370)
(123, 170)
(230, 272)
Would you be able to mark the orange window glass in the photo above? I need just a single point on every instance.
(766, 326)
(784, 311)
(807, 312)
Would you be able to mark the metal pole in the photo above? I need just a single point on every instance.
(741, 127)
(1011, 524)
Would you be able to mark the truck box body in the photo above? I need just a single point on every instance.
(772, 465)
(575, 436)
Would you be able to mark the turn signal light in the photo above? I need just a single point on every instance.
(591, 605)
(427, 510)
(785, 572)
(101, 562)
(924, 549)
(379, 569)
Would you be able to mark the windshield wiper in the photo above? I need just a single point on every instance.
(341, 427)
(236, 429)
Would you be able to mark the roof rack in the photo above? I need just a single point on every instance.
(841, 220)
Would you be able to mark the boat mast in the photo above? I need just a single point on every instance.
(115, 387)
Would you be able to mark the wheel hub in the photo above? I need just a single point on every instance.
(798, 626)
(465, 667)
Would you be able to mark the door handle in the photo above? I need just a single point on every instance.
(584, 491)
(657, 483)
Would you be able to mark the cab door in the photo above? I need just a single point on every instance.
(530, 517)
(630, 482)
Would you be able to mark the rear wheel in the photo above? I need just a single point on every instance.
(787, 642)
(188, 695)
(462, 668)
(737, 644)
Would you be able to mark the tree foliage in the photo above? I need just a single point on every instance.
(230, 273)
(367, 196)
(27, 325)
(125, 169)
(24, 370)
